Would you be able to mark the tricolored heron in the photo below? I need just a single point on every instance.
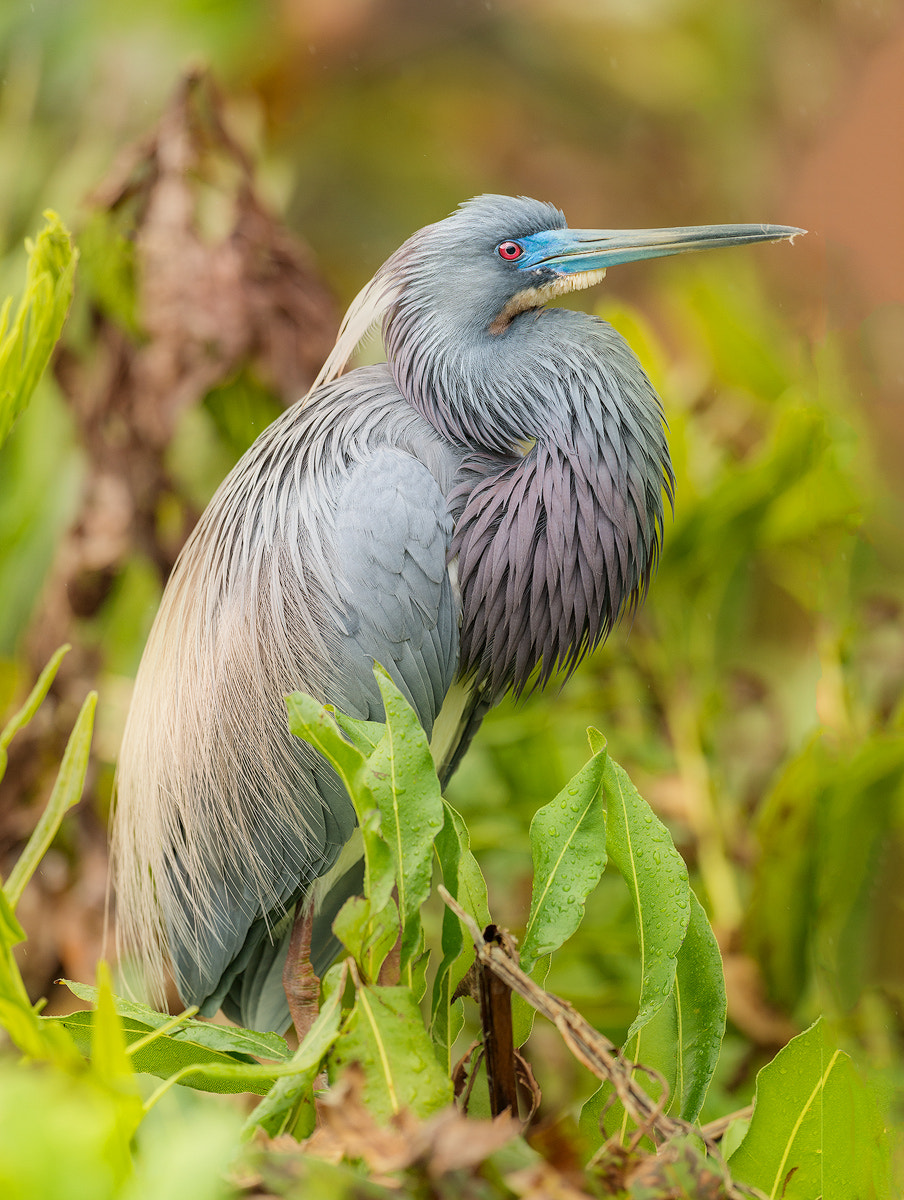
(474, 514)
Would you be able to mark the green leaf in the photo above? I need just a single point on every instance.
(35, 698)
(57, 1131)
(464, 881)
(25, 349)
(17, 1016)
(385, 1033)
(641, 848)
(174, 1058)
(184, 1155)
(367, 936)
(67, 791)
(815, 1130)
(681, 1016)
(682, 1041)
(403, 780)
(312, 721)
(700, 1008)
(364, 735)
(113, 1069)
(568, 845)
(277, 1111)
(230, 1039)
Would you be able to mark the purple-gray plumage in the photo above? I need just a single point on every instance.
(480, 509)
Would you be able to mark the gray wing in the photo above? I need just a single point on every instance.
(323, 551)
(390, 539)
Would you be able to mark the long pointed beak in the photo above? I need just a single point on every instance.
(570, 251)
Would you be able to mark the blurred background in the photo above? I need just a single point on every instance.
(233, 172)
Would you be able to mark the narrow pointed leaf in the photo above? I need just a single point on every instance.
(700, 1006)
(166, 1056)
(35, 698)
(26, 1029)
(682, 1040)
(229, 1039)
(643, 852)
(67, 791)
(312, 721)
(114, 1070)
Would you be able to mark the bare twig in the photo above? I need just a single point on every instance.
(496, 1021)
(590, 1047)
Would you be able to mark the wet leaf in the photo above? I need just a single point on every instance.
(385, 1033)
(568, 844)
(165, 1056)
(310, 720)
(464, 880)
(404, 783)
(814, 1130)
(641, 848)
(675, 1029)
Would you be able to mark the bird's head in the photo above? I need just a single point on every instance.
(496, 257)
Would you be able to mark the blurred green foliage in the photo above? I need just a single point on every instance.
(756, 699)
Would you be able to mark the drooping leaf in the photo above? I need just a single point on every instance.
(700, 1007)
(403, 780)
(312, 721)
(165, 1056)
(464, 880)
(815, 1130)
(568, 847)
(674, 1031)
(641, 848)
(683, 1039)
(230, 1039)
(385, 1033)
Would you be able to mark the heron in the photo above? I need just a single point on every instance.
(474, 514)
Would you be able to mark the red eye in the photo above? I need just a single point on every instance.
(509, 250)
